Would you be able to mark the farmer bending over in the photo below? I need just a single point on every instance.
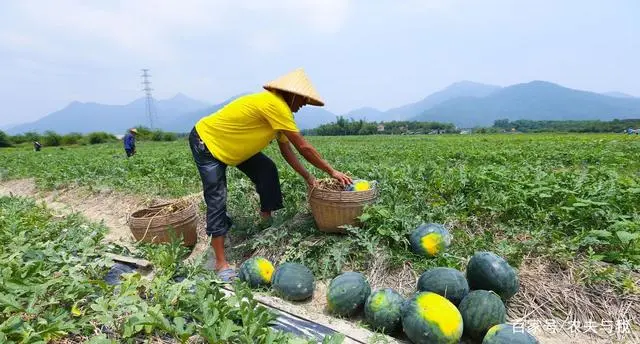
(235, 136)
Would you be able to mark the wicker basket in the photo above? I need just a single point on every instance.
(332, 209)
(156, 229)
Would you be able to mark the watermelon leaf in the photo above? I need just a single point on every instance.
(627, 237)
(601, 233)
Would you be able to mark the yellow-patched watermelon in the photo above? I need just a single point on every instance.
(382, 310)
(428, 318)
(507, 334)
(256, 271)
(430, 239)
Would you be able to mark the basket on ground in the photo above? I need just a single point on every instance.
(153, 224)
(333, 208)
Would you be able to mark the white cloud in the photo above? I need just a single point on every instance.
(147, 28)
(264, 42)
(322, 16)
(429, 6)
(141, 28)
(16, 40)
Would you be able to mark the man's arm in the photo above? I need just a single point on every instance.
(292, 159)
(311, 155)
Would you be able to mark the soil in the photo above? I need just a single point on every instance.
(113, 208)
(102, 206)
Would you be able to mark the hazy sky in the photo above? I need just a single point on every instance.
(378, 53)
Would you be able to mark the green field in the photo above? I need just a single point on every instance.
(564, 198)
(557, 195)
(51, 290)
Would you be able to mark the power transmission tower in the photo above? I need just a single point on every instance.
(146, 87)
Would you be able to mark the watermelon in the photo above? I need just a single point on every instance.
(347, 293)
(481, 309)
(382, 310)
(507, 334)
(488, 271)
(430, 239)
(447, 282)
(428, 318)
(293, 281)
(359, 185)
(256, 271)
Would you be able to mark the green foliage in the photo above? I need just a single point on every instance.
(595, 126)
(26, 137)
(51, 139)
(71, 139)
(343, 127)
(51, 288)
(146, 134)
(47, 267)
(515, 195)
(159, 135)
(32, 136)
(618, 243)
(5, 140)
(100, 137)
(18, 139)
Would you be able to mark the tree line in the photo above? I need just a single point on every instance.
(343, 127)
(591, 126)
(52, 139)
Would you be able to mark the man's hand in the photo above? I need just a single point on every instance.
(341, 177)
(312, 182)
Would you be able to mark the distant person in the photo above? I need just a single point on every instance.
(36, 146)
(235, 136)
(630, 131)
(130, 142)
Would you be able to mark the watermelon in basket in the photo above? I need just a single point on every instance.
(334, 205)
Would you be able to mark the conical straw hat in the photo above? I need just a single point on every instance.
(298, 83)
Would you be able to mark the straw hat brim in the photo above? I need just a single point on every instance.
(309, 100)
(297, 83)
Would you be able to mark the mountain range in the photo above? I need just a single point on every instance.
(87, 117)
(536, 100)
(465, 103)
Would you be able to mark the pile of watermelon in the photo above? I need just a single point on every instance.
(448, 304)
(291, 281)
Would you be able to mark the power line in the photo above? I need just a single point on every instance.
(146, 87)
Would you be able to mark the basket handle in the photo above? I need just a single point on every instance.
(310, 191)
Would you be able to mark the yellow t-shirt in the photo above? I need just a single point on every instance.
(245, 126)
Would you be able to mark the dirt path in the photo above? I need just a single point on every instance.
(106, 206)
(112, 209)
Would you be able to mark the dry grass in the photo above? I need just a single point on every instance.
(549, 291)
(168, 208)
(330, 184)
(381, 275)
(275, 252)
